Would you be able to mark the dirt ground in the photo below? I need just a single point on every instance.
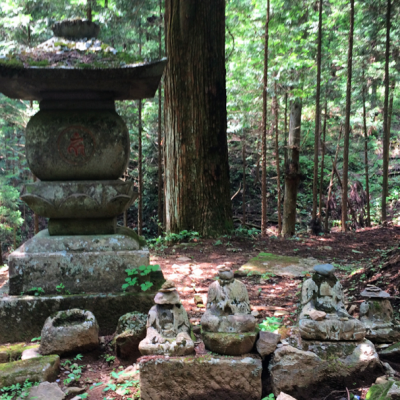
(369, 255)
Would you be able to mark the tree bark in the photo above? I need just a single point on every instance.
(347, 121)
(140, 168)
(386, 130)
(244, 178)
(159, 139)
(366, 154)
(278, 171)
(89, 10)
(331, 183)
(264, 133)
(321, 182)
(196, 151)
(292, 176)
(286, 132)
(317, 118)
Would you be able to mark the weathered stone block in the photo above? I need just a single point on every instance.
(232, 344)
(83, 264)
(207, 377)
(35, 370)
(13, 352)
(22, 317)
(311, 367)
(70, 331)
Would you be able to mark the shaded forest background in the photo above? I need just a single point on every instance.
(137, 27)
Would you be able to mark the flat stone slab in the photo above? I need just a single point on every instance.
(278, 265)
(83, 264)
(39, 369)
(207, 377)
(23, 317)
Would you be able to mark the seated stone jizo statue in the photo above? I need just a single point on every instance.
(228, 312)
(168, 327)
(323, 316)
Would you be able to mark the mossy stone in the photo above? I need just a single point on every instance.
(13, 352)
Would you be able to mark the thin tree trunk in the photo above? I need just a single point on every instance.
(140, 167)
(286, 131)
(264, 133)
(331, 182)
(317, 119)
(292, 175)
(196, 150)
(278, 171)
(321, 182)
(347, 121)
(386, 132)
(89, 10)
(244, 178)
(1, 256)
(159, 139)
(366, 154)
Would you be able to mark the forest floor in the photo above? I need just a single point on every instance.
(369, 255)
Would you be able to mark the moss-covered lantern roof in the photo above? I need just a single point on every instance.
(74, 60)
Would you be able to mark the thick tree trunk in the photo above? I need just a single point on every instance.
(264, 133)
(366, 155)
(386, 130)
(89, 10)
(317, 119)
(347, 120)
(292, 175)
(196, 152)
(159, 139)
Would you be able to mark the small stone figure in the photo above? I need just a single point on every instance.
(324, 316)
(168, 327)
(227, 325)
(377, 315)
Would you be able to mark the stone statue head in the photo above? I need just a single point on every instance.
(225, 275)
(167, 295)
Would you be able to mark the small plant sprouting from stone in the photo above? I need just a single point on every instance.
(142, 271)
(36, 339)
(269, 397)
(36, 291)
(61, 289)
(75, 369)
(270, 324)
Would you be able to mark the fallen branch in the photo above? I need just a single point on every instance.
(240, 186)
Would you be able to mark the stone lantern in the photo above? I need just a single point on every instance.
(78, 147)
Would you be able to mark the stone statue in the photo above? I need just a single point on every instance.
(377, 315)
(228, 312)
(324, 316)
(168, 327)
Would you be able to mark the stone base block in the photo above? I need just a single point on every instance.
(312, 369)
(231, 344)
(23, 317)
(206, 377)
(38, 369)
(82, 264)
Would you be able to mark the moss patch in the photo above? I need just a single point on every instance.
(13, 352)
(279, 265)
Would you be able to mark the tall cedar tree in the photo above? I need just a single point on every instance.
(366, 152)
(159, 136)
(140, 152)
(386, 128)
(278, 171)
(197, 183)
(264, 133)
(317, 119)
(347, 120)
(292, 175)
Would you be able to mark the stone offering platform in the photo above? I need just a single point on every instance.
(205, 377)
(22, 317)
(81, 263)
(278, 265)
